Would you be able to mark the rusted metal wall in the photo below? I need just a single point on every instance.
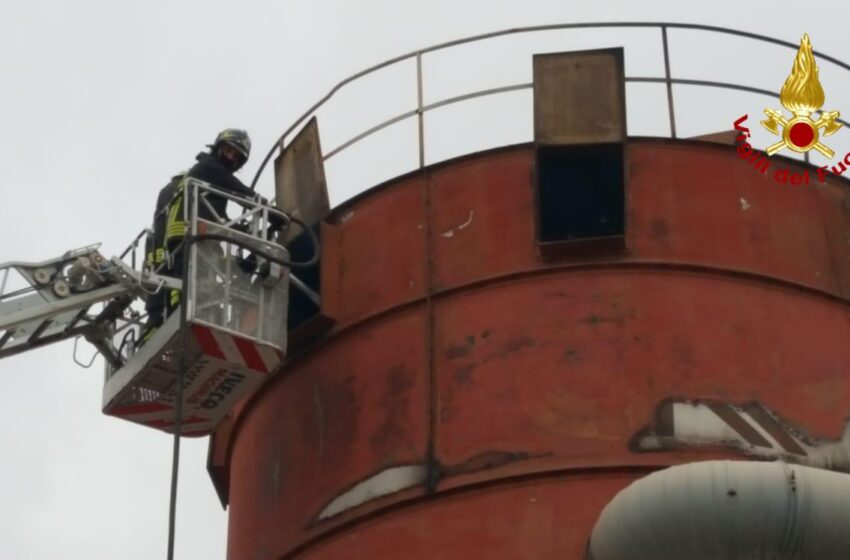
(474, 400)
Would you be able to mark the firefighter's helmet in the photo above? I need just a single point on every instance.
(235, 137)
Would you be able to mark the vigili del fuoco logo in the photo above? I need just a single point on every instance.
(802, 94)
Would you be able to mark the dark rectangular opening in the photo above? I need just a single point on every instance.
(580, 196)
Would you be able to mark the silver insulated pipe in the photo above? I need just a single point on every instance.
(728, 510)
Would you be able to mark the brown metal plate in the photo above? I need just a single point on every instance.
(579, 97)
(300, 184)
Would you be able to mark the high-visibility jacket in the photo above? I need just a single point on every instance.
(155, 245)
(211, 170)
(169, 227)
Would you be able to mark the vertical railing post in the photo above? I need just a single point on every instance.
(419, 113)
(670, 107)
(3, 283)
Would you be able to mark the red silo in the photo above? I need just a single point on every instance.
(508, 339)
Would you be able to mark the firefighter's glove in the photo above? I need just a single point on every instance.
(243, 227)
(276, 222)
(264, 270)
(248, 264)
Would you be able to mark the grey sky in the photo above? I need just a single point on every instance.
(103, 100)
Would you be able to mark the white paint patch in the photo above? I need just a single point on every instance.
(465, 224)
(697, 422)
(461, 227)
(744, 204)
(347, 216)
(385, 482)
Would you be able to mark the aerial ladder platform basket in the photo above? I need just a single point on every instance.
(235, 325)
(228, 340)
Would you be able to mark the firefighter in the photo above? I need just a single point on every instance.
(228, 153)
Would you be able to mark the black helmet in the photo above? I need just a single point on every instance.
(235, 137)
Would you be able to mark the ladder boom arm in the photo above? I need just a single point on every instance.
(62, 291)
(52, 308)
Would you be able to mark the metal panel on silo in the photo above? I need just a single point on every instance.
(300, 184)
(579, 97)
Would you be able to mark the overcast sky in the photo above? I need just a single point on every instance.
(102, 101)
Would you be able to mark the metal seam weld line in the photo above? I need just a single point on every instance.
(541, 476)
(433, 466)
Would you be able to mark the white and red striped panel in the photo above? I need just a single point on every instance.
(236, 350)
(229, 369)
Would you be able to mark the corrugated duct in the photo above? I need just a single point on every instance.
(728, 510)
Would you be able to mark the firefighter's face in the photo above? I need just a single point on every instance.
(231, 155)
